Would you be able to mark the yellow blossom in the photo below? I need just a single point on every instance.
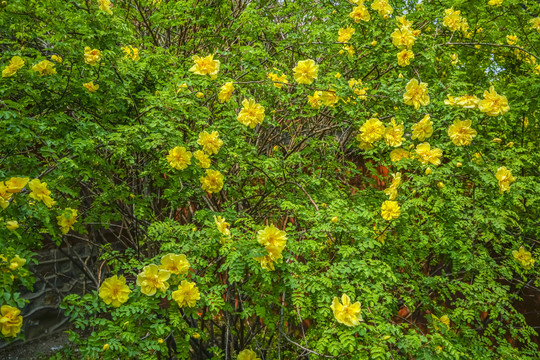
(371, 131)
(440, 185)
(404, 57)
(493, 104)
(315, 101)
(199, 94)
(272, 237)
(251, 113)
(423, 129)
(428, 155)
(105, 5)
(495, 2)
(454, 21)
(416, 94)
(12, 225)
(202, 158)
(44, 67)
(267, 262)
(393, 134)
(57, 58)
(360, 13)
(247, 355)
(10, 321)
(15, 64)
(106, 347)
(443, 320)
(345, 34)
(428, 171)
(16, 184)
(390, 210)
(16, 262)
(222, 225)
(176, 264)
(179, 158)
(152, 278)
(92, 56)
(391, 191)
(67, 219)
(349, 49)
(212, 182)
(511, 39)
(535, 23)
(205, 66)
(403, 38)
(466, 101)
(398, 154)
(383, 7)
(187, 294)
(4, 195)
(523, 257)
(505, 178)
(114, 291)
(210, 142)
(454, 58)
(226, 92)
(345, 312)
(40, 192)
(279, 80)
(329, 98)
(306, 71)
(461, 133)
(131, 53)
(91, 86)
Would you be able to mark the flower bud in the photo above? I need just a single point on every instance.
(428, 171)
(440, 185)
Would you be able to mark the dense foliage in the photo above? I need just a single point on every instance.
(276, 179)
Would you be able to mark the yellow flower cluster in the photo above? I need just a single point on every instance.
(14, 264)
(358, 90)
(383, 7)
(391, 191)
(461, 133)
(404, 57)
(114, 291)
(210, 142)
(345, 312)
(44, 67)
(40, 192)
(493, 104)
(524, 258)
(535, 22)
(131, 53)
(10, 320)
(205, 66)
(505, 178)
(398, 154)
(251, 113)
(15, 64)
(179, 158)
(442, 320)
(92, 56)
(360, 12)
(345, 34)
(226, 92)
(274, 240)
(423, 129)
(212, 182)
(404, 35)
(370, 132)
(187, 294)
(495, 2)
(390, 210)
(91, 86)
(153, 278)
(279, 80)
(416, 94)
(315, 100)
(10, 187)
(426, 155)
(247, 354)
(222, 225)
(67, 219)
(393, 134)
(465, 101)
(454, 21)
(305, 71)
(105, 5)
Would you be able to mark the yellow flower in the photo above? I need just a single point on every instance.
(272, 237)
(390, 210)
(403, 38)
(44, 67)
(15, 64)
(12, 225)
(428, 155)
(382, 6)
(226, 92)
(398, 154)
(511, 39)
(423, 129)
(461, 133)
(493, 104)
(360, 13)
(306, 71)
(251, 113)
(152, 278)
(404, 57)
(266, 262)
(57, 58)
(345, 34)
(391, 191)
(10, 321)
(428, 171)
(131, 53)
(105, 5)
(444, 320)
(199, 94)
(393, 134)
(16, 184)
(176, 264)
(222, 225)
(349, 49)
(450, 101)
(40, 192)
(535, 23)
(92, 56)
(67, 219)
(329, 98)
(524, 257)
(345, 312)
(315, 101)
(247, 355)
(467, 101)
(211, 143)
(4, 195)
(454, 21)
(454, 58)
(458, 164)
(204, 160)
(495, 2)
(114, 291)
(187, 294)
(416, 94)
(440, 185)
(16, 262)
(91, 86)
(371, 131)
(205, 66)
(212, 182)
(106, 347)
(179, 158)
(279, 80)
(505, 178)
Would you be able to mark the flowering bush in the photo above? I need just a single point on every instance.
(276, 179)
